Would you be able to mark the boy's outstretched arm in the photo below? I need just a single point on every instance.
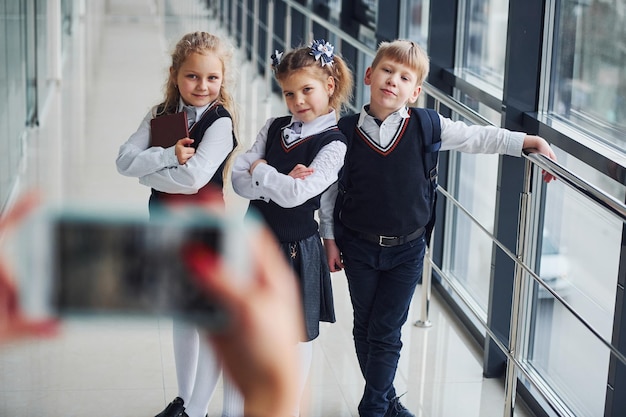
(537, 144)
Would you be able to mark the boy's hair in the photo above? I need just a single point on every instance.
(201, 43)
(407, 53)
(302, 58)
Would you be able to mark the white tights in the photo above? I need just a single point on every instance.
(305, 355)
(197, 372)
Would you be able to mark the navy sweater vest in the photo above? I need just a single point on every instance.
(215, 184)
(386, 192)
(297, 223)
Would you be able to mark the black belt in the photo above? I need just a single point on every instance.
(388, 241)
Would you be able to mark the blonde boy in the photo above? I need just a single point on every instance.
(378, 227)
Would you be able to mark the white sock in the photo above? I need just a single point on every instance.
(207, 375)
(305, 354)
(233, 401)
(186, 347)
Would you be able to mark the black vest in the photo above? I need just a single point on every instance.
(387, 191)
(196, 133)
(297, 223)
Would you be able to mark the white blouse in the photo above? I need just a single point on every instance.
(158, 168)
(267, 184)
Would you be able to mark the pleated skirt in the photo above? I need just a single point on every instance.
(308, 260)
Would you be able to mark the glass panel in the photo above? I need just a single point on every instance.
(366, 12)
(579, 260)
(588, 85)
(470, 248)
(15, 81)
(4, 107)
(474, 187)
(417, 21)
(43, 69)
(484, 45)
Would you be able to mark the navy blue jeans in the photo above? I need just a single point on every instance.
(381, 281)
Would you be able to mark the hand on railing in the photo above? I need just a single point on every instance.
(537, 144)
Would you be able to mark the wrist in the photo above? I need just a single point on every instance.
(274, 398)
(255, 163)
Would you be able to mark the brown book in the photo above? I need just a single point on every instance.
(168, 129)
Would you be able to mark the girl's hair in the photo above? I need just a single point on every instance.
(405, 52)
(201, 43)
(302, 58)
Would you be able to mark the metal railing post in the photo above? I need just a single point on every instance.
(255, 36)
(269, 49)
(427, 273)
(510, 386)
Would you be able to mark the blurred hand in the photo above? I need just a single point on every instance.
(13, 324)
(258, 348)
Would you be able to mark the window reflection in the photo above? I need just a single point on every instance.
(484, 45)
(589, 79)
(470, 249)
(579, 261)
(417, 21)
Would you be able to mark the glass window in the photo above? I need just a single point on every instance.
(484, 40)
(4, 107)
(365, 12)
(43, 65)
(473, 184)
(416, 21)
(468, 255)
(13, 116)
(580, 261)
(588, 86)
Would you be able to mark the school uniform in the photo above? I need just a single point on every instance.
(288, 205)
(380, 231)
(158, 168)
(200, 178)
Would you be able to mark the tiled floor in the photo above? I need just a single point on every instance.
(124, 367)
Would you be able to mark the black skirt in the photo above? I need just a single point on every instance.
(308, 260)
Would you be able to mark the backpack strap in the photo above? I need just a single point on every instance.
(431, 134)
(347, 125)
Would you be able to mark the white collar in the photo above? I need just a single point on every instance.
(315, 126)
(199, 110)
(401, 113)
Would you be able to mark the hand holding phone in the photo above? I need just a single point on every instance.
(85, 262)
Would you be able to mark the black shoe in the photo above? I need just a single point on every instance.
(174, 409)
(396, 409)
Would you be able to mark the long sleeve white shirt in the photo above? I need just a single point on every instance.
(455, 135)
(158, 168)
(267, 184)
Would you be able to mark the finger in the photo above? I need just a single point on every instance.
(340, 264)
(273, 269)
(20, 209)
(209, 272)
(21, 328)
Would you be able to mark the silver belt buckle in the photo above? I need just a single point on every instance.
(381, 243)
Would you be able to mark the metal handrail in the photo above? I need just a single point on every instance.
(575, 182)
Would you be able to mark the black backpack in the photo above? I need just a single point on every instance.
(431, 132)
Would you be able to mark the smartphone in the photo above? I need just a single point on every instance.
(111, 262)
